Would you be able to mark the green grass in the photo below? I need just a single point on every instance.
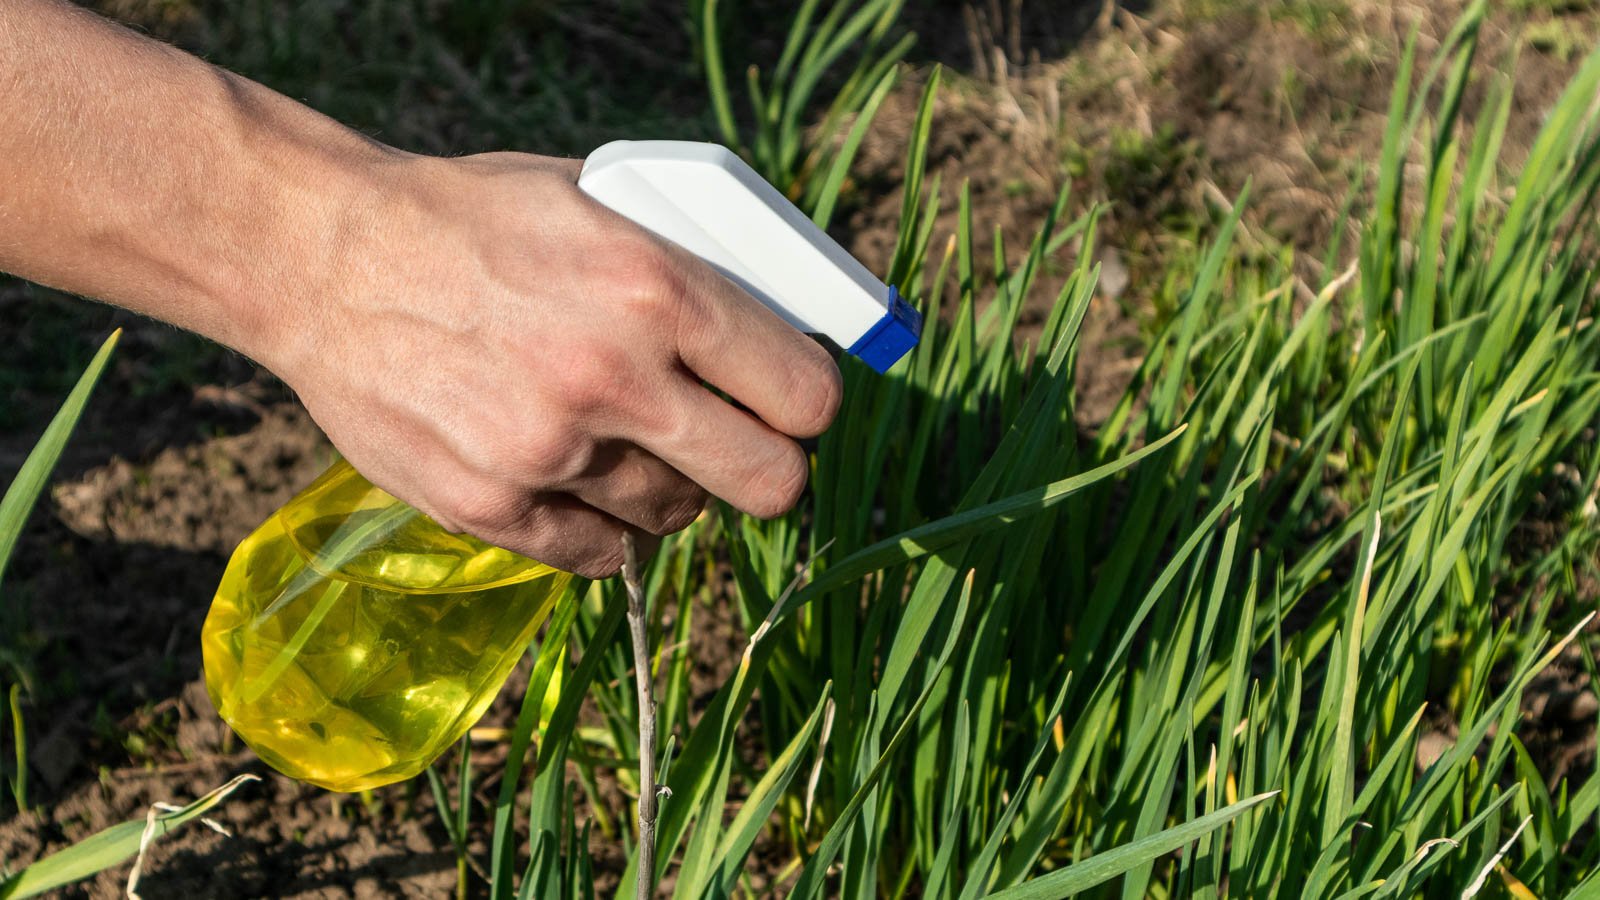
(464, 76)
(1034, 650)
(1554, 7)
(1190, 653)
(113, 845)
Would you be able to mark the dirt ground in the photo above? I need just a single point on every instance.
(1162, 111)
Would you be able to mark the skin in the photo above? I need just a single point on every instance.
(475, 335)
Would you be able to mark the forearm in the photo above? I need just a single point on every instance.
(564, 346)
(137, 174)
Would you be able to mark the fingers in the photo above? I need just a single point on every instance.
(556, 529)
(728, 452)
(684, 323)
(576, 526)
(637, 487)
(738, 345)
(566, 533)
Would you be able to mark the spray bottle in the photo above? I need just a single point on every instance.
(353, 640)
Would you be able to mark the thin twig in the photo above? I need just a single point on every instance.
(646, 880)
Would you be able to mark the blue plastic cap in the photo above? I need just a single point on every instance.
(893, 337)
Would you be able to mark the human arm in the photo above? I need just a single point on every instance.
(475, 335)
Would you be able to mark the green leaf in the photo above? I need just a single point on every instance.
(109, 847)
(716, 80)
(756, 809)
(19, 739)
(918, 542)
(30, 481)
(552, 654)
(847, 154)
(811, 878)
(1103, 867)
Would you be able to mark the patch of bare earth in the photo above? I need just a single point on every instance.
(1164, 113)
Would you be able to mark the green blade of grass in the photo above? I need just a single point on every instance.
(811, 879)
(552, 653)
(107, 848)
(716, 80)
(757, 808)
(19, 740)
(918, 542)
(30, 481)
(978, 876)
(840, 168)
(1103, 867)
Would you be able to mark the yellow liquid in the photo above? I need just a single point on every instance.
(353, 640)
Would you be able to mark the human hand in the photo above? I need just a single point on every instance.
(525, 365)
(476, 335)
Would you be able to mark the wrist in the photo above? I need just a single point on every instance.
(310, 201)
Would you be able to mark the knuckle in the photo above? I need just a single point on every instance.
(650, 282)
(597, 380)
(535, 454)
(553, 455)
(560, 536)
(678, 514)
(485, 511)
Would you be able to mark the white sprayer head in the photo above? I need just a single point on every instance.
(708, 201)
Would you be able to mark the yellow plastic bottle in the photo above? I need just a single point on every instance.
(353, 640)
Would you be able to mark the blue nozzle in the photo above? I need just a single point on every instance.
(893, 337)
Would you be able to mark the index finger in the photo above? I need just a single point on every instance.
(733, 342)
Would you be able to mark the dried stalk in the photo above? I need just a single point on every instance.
(648, 799)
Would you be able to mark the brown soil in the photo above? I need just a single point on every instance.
(1164, 114)
(186, 448)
